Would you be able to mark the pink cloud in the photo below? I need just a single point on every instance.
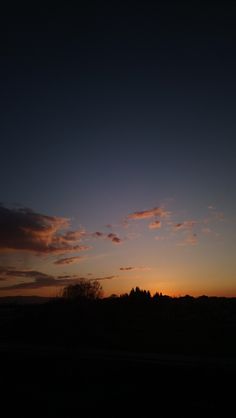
(150, 213)
(71, 236)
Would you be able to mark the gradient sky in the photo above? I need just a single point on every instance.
(118, 148)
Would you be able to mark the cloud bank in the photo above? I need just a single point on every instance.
(38, 279)
(25, 230)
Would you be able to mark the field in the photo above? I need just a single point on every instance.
(117, 357)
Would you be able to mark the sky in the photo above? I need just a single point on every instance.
(118, 147)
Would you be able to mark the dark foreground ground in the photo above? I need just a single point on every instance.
(63, 383)
(118, 360)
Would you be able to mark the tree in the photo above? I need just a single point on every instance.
(83, 290)
(139, 294)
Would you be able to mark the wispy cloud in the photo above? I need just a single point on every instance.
(155, 225)
(25, 230)
(185, 225)
(9, 272)
(139, 268)
(36, 279)
(71, 236)
(127, 268)
(104, 278)
(149, 213)
(69, 260)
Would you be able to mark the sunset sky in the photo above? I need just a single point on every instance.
(118, 148)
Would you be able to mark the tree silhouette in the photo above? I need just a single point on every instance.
(139, 294)
(83, 290)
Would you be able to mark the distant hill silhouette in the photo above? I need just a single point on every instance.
(23, 300)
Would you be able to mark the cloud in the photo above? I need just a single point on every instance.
(25, 273)
(65, 276)
(69, 260)
(98, 234)
(104, 278)
(127, 268)
(39, 279)
(71, 236)
(114, 238)
(25, 230)
(140, 268)
(155, 225)
(185, 225)
(111, 236)
(150, 213)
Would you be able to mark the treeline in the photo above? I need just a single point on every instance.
(135, 321)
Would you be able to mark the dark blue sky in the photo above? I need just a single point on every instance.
(111, 108)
